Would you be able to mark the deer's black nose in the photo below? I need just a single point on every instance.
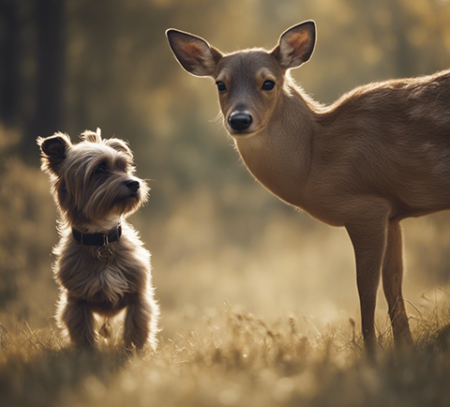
(132, 185)
(240, 121)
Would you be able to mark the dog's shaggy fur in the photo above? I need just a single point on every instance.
(94, 186)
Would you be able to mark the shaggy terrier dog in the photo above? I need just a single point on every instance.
(101, 265)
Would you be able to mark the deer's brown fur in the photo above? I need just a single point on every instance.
(379, 154)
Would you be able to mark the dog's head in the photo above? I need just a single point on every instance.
(93, 181)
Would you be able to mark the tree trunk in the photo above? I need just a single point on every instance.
(9, 63)
(49, 107)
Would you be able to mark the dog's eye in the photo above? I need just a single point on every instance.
(101, 168)
(221, 86)
(268, 85)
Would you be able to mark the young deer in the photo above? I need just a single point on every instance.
(380, 154)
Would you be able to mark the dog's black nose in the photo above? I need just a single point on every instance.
(240, 121)
(132, 185)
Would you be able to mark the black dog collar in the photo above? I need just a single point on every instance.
(98, 239)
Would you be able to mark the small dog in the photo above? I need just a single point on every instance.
(101, 265)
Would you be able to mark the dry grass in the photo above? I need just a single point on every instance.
(233, 359)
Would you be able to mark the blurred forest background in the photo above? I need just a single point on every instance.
(215, 234)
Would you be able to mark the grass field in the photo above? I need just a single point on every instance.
(231, 359)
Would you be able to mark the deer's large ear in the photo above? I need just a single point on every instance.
(193, 53)
(54, 151)
(296, 45)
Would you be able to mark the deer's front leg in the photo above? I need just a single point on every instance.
(368, 235)
(392, 285)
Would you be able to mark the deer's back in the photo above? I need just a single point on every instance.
(390, 140)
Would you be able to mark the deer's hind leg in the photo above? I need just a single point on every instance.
(392, 285)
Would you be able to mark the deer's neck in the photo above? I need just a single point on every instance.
(280, 155)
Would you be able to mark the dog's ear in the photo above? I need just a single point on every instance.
(92, 137)
(54, 151)
(119, 145)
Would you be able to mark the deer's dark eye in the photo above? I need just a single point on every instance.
(268, 85)
(221, 86)
(101, 168)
